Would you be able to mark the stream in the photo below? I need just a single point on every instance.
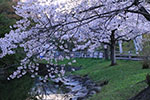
(71, 87)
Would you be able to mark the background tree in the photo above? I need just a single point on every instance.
(7, 16)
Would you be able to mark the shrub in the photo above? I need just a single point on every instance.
(145, 65)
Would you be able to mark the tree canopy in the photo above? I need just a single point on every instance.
(88, 21)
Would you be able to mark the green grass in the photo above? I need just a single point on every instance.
(122, 77)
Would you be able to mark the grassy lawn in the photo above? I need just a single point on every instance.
(122, 77)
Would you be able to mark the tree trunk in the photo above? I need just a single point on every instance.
(113, 55)
(112, 48)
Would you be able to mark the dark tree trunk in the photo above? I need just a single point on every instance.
(112, 49)
(113, 55)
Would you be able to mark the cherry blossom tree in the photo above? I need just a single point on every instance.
(123, 25)
(91, 22)
(127, 28)
(118, 21)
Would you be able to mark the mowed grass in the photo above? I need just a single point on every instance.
(124, 78)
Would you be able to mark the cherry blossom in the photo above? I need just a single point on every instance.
(46, 25)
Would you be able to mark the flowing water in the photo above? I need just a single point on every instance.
(71, 87)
